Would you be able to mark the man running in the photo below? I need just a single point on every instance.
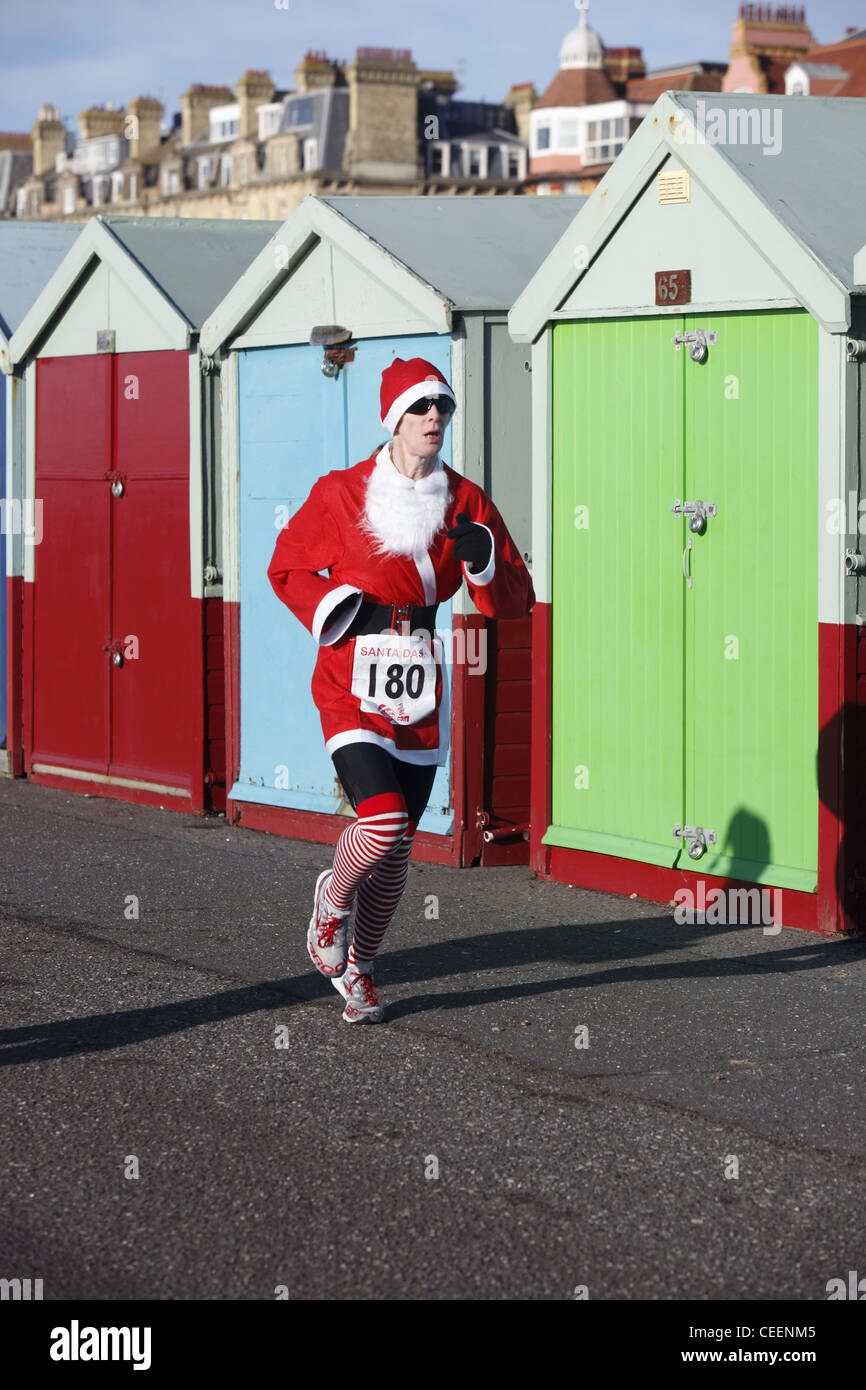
(397, 534)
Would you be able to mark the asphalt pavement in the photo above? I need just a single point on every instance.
(571, 1094)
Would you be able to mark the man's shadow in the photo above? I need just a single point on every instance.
(614, 952)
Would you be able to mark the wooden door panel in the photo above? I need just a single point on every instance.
(157, 696)
(71, 605)
(617, 697)
(751, 614)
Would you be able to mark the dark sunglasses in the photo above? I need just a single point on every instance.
(444, 403)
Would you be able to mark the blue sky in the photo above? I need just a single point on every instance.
(79, 54)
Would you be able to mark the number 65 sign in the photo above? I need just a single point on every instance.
(673, 286)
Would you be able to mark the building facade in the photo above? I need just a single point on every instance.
(377, 124)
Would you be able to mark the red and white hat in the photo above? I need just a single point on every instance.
(405, 382)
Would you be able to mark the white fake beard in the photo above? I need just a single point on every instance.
(404, 515)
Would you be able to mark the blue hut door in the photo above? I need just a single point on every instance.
(295, 424)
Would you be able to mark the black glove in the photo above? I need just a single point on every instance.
(472, 543)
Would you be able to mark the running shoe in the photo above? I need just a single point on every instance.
(327, 933)
(363, 1004)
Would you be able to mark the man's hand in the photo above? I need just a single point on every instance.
(472, 543)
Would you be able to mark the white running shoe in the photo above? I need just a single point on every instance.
(363, 1004)
(327, 933)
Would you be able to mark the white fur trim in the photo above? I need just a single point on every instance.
(424, 566)
(332, 599)
(484, 576)
(403, 515)
(430, 386)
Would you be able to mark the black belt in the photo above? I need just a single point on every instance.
(385, 617)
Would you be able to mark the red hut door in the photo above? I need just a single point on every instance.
(117, 637)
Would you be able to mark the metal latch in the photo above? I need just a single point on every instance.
(697, 340)
(333, 337)
(696, 511)
(115, 651)
(699, 835)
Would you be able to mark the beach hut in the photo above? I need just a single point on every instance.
(120, 624)
(29, 253)
(347, 285)
(698, 345)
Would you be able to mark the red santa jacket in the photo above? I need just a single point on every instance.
(328, 532)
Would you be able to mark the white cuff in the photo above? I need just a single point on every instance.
(484, 576)
(325, 635)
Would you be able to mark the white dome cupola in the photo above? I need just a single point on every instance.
(581, 47)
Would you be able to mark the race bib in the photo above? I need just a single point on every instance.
(395, 676)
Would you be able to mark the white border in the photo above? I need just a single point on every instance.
(196, 498)
(27, 563)
(230, 482)
(542, 463)
(835, 592)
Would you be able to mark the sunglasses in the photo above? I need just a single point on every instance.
(444, 404)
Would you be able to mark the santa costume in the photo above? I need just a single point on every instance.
(383, 539)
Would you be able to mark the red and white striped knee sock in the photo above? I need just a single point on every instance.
(378, 897)
(364, 843)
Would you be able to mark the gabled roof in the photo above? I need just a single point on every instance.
(29, 253)
(195, 261)
(183, 267)
(440, 254)
(802, 207)
(578, 87)
(691, 77)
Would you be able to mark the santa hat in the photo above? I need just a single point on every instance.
(405, 382)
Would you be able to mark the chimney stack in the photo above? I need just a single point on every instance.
(141, 126)
(254, 89)
(383, 115)
(48, 136)
(195, 106)
(101, 120)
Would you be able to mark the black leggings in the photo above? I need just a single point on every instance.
(366, 770)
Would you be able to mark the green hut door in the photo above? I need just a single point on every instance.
(676, 702)
(751, 614)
